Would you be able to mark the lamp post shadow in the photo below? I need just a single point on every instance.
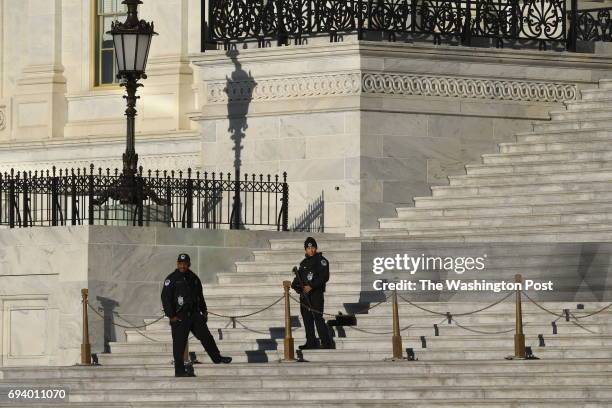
(239, 89)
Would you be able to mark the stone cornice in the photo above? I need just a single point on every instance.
(471, 88)
(410, 50)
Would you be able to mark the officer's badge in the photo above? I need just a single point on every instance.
(309, 276)
(180, 301)
(323, 262)
(167, 282)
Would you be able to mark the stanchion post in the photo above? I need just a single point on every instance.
(85, 346)
(519, 336)
(397, 338)
(289, 346)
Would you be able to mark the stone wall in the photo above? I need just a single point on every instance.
(42, 272)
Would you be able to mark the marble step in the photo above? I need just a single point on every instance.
(515, 199)
(345, 403)
(595, 94)
(337, 381)
(365, 394)
(572, 124)
(530, 178)
(589, 104)
(240, 301)
(245, 268)
(498, 222)
(551, 167)
(598, 113)
(538, 168)
(444, 329)
(338, 302)
(331, 288)
(339, 276)
(439, 354)
(420, 403)
(373, 368)
(383, 235)
(432, 233)
(557, 146)
(377, 342)
(322, 245)
(274, 317)
(568, 156)
(414, 213)
(383, 318)
(510, 189)
(564, 135)
(296, 256)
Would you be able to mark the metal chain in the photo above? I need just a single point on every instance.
(298, 301)
(252, 330)
(379, 333)
(594, 313)
(123, 326)
(541, 307)
(581, 326)
(249, 314)
(482, 331)
(163, 316)
(455, 314)
(147, 337)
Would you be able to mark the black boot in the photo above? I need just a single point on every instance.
(223, 360)
(309, 346)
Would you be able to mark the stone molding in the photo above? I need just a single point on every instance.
(152, 162)
(389, 84)
(284, 88)
(471, 88)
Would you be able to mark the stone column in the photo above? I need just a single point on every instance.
(39, 107)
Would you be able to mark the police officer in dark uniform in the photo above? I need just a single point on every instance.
(309, 282)
(183, 301)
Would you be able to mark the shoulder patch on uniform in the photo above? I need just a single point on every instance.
(167, 282)
(323, 262)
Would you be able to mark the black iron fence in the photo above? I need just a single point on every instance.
(174, 199)
(594, 25)
(540, 22)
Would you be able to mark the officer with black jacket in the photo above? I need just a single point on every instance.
(184, 304)
(309, 282)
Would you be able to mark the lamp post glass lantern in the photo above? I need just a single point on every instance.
(132, 41)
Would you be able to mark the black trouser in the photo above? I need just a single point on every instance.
(196, 324)
(312, 318)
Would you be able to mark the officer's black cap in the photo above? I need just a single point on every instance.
(183, 258)
(310, 242)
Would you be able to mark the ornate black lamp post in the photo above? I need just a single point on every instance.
(132, 41)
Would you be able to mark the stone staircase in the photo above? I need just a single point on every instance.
(553, 185)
